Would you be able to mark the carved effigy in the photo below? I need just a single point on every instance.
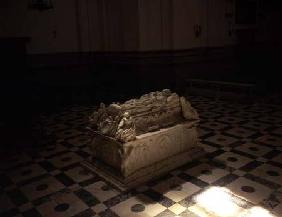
(151, 112)
(139, 137)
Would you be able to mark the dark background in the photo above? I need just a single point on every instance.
(36, 83)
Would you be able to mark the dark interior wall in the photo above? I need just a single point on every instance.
(87, 51)
(73, 25)
(107, 25)
(136, 25)
(50, 31)
(83, 43)
(120, 25)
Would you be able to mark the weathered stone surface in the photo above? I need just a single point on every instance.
(144, 137)
(150, 112)
(188, 112)
(126, 129)
(146, 149)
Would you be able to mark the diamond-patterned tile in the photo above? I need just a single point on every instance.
(102, 191)
(222, 140)
(269, 172)
(243, 154)
(249, 190)
(253, 149)
(255, 125)
(233, 160)
(208, 148)
(176, 189)
(79, 140)
(202, 132)
(26, 172)
(79, 173)
(214, 125)
(138, 206)
(270, 140)
(53, 150)
(269, 119)
(229, 119)
(207, 173)
(65, 159)
(63, 204)
(240, 132)
(177, 209)
(42, 188)
(99, 208)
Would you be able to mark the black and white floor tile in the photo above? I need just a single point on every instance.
(240, 175)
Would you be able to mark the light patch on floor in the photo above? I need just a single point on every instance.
(221, 202)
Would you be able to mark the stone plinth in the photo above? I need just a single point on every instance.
(143, 138)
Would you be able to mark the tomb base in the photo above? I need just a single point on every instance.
(149, 156)
(143, 175)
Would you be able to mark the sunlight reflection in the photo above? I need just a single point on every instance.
(259, 212)
(221, 202)
(218, 201)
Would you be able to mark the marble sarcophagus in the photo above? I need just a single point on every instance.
(143, 138)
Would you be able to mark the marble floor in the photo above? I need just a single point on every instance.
(240, 175)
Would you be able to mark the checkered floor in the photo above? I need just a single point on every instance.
(244, 159)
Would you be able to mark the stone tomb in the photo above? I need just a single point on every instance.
(143, 138)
